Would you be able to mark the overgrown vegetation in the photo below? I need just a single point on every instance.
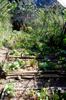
(30, 31)
(47, 94)
(42, 31)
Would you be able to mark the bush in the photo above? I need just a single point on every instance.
(46, 66)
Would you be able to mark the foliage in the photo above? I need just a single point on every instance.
(9, 66)
(9, 89)
(47, 65)
(5, 15)
(43, 94)
(14, 52)
(43, 37)
(64, 41)
(48, 94)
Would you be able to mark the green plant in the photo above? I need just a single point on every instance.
(64, 41)
(14, 52)
(43, 65)
(47, 94)
(43, 94)
(9, 66)
(33, 62)
(47, 65)
(9, 89)
(56, 96)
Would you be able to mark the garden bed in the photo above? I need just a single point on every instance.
(25, 75)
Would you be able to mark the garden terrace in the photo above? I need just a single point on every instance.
(32, 50)
(30, 78)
